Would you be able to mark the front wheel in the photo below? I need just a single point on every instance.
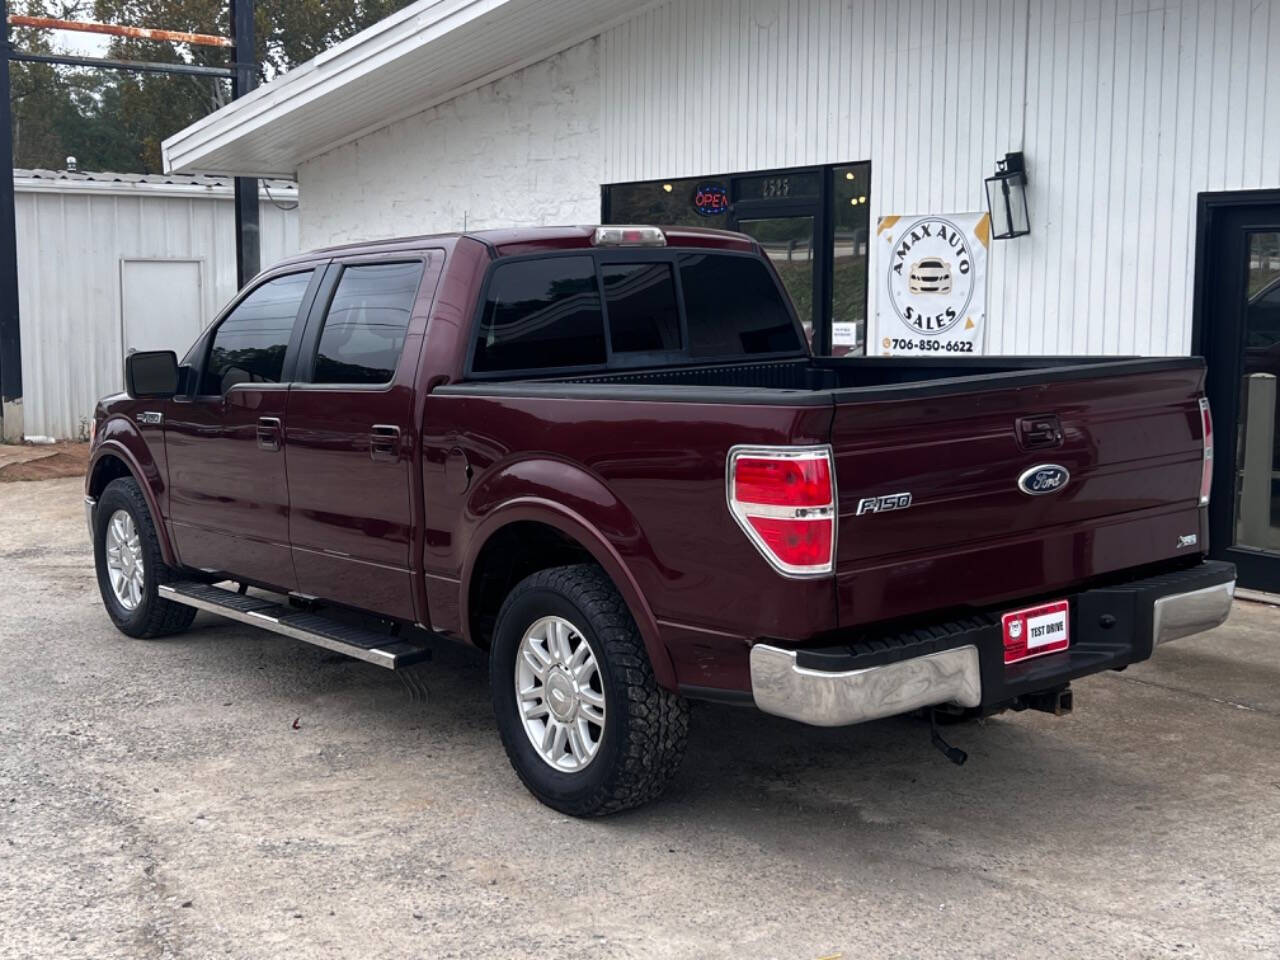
(585, 724)
(130, 566)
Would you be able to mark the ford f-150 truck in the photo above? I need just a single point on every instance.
(607, 457)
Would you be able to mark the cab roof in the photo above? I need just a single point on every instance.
(519, 241)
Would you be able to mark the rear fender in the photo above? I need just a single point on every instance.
(580, 506)
(118, 438)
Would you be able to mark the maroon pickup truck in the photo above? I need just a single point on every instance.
(606, 457)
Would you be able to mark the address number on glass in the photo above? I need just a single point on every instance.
(772, 187)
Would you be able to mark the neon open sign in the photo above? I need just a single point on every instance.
(711, 199)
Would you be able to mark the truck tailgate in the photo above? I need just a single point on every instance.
(970, 536)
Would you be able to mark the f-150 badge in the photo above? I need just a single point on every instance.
(894, 501)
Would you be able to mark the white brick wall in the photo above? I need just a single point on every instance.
(524, 150)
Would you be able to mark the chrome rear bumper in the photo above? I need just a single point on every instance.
(1182, 614)
(824, 699)
(784, 686)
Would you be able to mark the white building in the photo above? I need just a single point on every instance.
(111, 262)
(1148, 130)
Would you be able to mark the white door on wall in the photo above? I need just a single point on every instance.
(160, 304)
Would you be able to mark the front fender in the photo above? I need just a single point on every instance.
(579, 505)
(117, 437)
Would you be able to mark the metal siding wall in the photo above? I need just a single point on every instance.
(70, 245)
(1130, 109)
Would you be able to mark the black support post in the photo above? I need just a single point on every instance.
(248, 246)
(10, 334)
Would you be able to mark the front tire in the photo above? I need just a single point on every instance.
(126, 552)
(585, 724)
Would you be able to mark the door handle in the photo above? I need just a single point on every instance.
(269, 433)
(384, 442)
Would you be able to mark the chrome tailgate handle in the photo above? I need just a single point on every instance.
(384, 442)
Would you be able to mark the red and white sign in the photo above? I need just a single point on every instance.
(1036, 631)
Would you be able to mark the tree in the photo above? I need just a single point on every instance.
(114, 120)
(54, 109)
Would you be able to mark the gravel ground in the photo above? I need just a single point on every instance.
(229, 793)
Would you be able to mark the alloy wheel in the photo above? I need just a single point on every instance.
(125, 567)
(560, 694)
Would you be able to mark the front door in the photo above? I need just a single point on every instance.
(1239, 316)
(228, 496)
(351, 436)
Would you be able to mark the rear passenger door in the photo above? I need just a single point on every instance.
(351, 439)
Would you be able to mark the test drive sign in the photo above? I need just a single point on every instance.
(934, 273)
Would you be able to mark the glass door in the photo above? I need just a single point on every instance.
(782, 210)
(1257, 517)
(789, 244)
(1240, 314)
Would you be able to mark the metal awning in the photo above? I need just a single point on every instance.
(423, 55)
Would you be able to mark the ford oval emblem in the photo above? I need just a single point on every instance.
(1043, 478)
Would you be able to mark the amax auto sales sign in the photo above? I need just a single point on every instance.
(933, 271)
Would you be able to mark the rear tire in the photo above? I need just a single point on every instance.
(126, 552)
(624, 736)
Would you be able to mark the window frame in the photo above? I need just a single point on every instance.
(318, 315)
(628, 360)
(203, 347)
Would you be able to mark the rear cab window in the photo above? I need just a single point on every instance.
(541, 313)
(572, 313)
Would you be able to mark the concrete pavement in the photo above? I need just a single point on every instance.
(157, 799)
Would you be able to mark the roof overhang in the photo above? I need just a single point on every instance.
(427, 53)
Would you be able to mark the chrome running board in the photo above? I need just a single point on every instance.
(380, 649)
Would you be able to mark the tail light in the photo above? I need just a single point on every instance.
(784, 499)
(1206, 467)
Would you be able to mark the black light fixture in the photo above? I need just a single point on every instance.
(1007, 198)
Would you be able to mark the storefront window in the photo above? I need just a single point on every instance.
(812, 222)
(698, 202)
(851, 219)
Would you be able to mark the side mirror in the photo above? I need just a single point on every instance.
(151, 374)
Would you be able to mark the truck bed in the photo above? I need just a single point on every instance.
(944, 431)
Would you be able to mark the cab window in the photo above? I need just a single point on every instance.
(365, 327)
(541, 313)
(250, 344)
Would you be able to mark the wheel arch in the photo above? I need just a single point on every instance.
(113, 460)
(533, 519)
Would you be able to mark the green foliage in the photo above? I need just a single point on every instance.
(115, 120)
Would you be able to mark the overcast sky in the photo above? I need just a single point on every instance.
(82, 44)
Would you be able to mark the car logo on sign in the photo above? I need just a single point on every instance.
(1043, 478)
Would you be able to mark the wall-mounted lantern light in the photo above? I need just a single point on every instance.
(1007, 198)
